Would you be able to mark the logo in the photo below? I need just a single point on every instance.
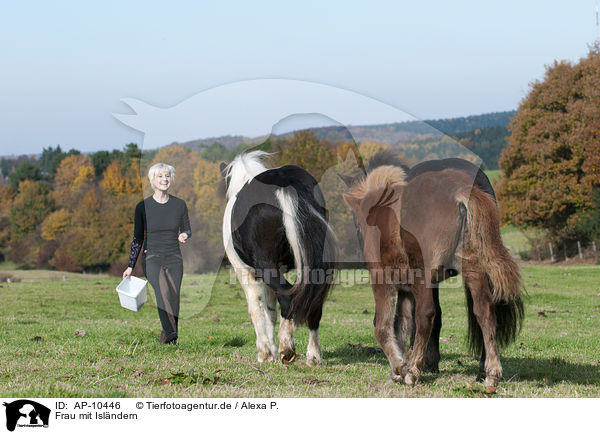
(26, 413)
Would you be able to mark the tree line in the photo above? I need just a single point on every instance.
(74, 211)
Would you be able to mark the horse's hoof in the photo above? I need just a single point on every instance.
(264, 357)
(410, 379)
(431, 362)
(313, 361)
(431, 367)
(397, 378)
(399, 372)
(287, 357)
(491, 384)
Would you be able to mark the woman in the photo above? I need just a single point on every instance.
(161, 220)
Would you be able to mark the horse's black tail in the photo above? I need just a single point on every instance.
(313, 246)
(509, 317)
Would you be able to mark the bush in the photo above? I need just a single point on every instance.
(63, 261)
(25, 252)
(45, 254)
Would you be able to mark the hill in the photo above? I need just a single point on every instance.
(388, 134)
(485, 135)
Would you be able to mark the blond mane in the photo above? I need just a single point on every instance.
(382, 176)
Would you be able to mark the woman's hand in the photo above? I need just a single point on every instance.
(127, 273)
(182, 237)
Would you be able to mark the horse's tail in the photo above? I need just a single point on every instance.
(509, 317)
(483, 232)
(483, 237)
(242, 169)
(313, 246)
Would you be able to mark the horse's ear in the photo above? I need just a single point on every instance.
(351, 201)
(346, 179)
(222, 168)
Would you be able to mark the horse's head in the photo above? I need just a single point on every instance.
(365, 191)
(377, 219)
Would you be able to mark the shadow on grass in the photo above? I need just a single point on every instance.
(550, 371)
(546, 371)
(355, 353)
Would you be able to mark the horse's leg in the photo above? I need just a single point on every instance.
(403, 322)
(313, 350)
(287, 347)
(424, 316)
(270, 311)
(385, 300)
(483, 309)
(432, 354)
(253, 289)
(481, 373)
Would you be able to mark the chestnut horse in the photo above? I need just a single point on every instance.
(413, 234)
(388, 157)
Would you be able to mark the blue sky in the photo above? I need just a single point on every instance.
(66, 65)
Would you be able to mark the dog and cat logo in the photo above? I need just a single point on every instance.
(26, 413)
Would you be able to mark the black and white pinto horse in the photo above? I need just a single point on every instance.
(276, 221)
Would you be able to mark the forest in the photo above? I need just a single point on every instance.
(68, 210)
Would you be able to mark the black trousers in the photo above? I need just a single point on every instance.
(164, 274)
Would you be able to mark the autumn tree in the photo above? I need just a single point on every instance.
(589, 222)
(6, 200)
(184, 160)
(74, 176)
(30, 207)
(113, 182)
(304, 149)
(209, 209)
(56, 224)
(349, 162)
(552, 163)
(98, 232)
(369, 148)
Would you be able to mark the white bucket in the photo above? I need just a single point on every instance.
(132, 293)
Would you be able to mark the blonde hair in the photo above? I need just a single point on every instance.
(161, 167)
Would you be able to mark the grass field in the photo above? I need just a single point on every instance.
(519, 240)
(65, 335)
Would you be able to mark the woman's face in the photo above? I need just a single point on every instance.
(161, 181)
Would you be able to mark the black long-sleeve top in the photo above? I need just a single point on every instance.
(157, 227)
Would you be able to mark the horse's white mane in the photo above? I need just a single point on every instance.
(242, 169)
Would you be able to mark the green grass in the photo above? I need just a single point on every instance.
(7, 265)
(519, 240)
(119, 355)
(493, 175)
